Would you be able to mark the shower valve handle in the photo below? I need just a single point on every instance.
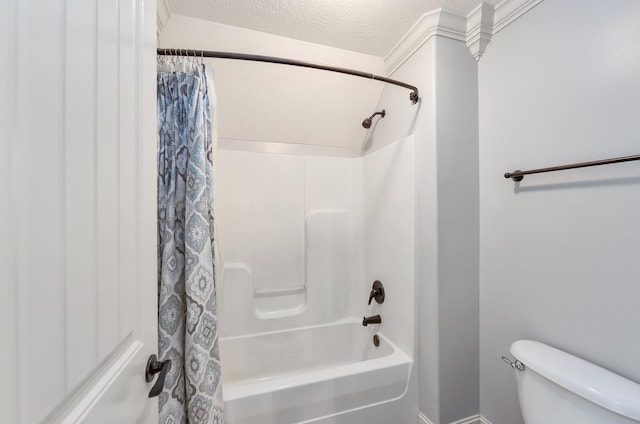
(374, 293)
(153, 367)
(377, 292)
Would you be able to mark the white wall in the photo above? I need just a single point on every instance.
(278, 103)
(559, 252)
(445, 128)
(458, 232)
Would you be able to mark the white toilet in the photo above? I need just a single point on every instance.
(555, 387)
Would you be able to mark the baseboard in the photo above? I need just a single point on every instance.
(476, 419)
(422, 419)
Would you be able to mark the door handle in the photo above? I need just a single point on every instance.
(153, 367)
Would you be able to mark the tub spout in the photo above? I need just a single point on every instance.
(375, 319)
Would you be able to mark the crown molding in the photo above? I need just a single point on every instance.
(480, 29)
(163, 14)
(476, 29)
(510, 10)
(439, 22)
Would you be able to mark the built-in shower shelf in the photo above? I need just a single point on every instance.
(264, 290)
(280, 302)
(280, 292)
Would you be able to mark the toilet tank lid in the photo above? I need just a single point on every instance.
(583, 378)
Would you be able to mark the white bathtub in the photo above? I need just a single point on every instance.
(305, 374)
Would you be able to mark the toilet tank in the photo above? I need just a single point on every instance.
(558, 388)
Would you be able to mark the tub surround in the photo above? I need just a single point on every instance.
(303, 239)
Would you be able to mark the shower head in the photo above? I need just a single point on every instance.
(368, 121)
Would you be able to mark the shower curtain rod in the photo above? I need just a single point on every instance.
(413, 96)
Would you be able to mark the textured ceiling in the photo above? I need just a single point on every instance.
(366, 26)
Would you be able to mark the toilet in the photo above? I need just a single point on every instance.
(555, 387)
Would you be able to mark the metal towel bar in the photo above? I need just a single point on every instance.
(519, 175)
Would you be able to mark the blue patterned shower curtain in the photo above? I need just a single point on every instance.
(187, 329)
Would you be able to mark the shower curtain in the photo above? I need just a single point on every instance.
(187, 322)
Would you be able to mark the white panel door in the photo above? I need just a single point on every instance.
(78, 284)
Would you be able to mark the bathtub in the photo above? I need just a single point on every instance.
(308, 374)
